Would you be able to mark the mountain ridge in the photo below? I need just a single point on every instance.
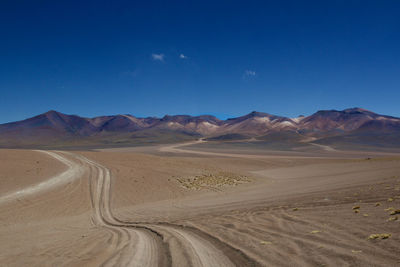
(55, 127)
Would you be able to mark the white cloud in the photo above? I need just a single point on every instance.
(182, 56)
(250, 73)
(158, 57)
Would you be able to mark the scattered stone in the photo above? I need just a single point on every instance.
(265, 242)
(390, 199)
(295, 209)
(356, 207)
(377, 204)
(392, 219)
(315, 232)
(356, 251)
(365, 215)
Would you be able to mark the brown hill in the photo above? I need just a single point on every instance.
(57, 129)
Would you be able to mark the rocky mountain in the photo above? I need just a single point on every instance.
(53, 128)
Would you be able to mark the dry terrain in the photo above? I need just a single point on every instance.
(192, 205)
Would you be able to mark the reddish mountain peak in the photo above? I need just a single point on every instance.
(58, 126)
(358, 110)
(333, 113)
(175, 117)
(345, 111)
(251, 115)
(52, 111)
(258, 114)
(52, 114)
(344, 120)
(184, 119)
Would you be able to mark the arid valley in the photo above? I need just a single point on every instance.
(199, 133)
(188, 205)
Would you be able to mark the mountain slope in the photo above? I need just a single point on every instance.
(345, 120)
(56, 129)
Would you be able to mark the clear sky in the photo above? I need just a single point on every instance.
(226, 58)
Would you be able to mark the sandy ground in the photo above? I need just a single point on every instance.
(178, 206)
(21, 168)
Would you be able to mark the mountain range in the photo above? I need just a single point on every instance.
(350, 126)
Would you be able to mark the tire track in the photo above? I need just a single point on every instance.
(182, 246)
(73, 172)
(134, 246)
(136, 243)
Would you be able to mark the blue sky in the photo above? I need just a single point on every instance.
(226, 58)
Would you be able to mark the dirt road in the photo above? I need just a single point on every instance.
(74, 171)
(134, 243)
(127, 209)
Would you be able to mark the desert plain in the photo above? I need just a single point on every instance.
(199, 204)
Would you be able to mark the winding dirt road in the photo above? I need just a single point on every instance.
(132, 246)
(136, 243)
(177, 148)
(291, 215)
